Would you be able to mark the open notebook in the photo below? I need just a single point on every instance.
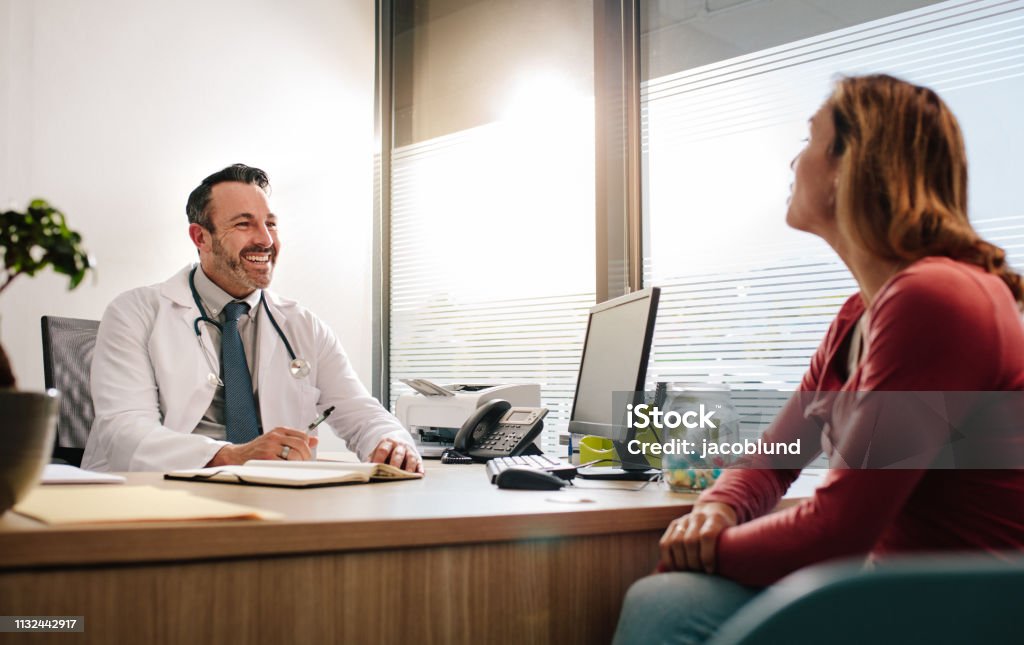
(295, 474)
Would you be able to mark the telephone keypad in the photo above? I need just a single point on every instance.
(511, 431)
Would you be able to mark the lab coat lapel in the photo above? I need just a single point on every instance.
(178, 291)
(191, 369)
(273, 377)
(285, 401)
(188, 317)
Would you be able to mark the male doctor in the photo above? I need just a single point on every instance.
(210, 369)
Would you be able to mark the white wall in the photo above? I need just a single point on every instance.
(114, 110)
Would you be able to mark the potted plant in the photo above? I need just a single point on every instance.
(31, 241)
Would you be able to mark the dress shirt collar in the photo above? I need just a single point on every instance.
(214, 298)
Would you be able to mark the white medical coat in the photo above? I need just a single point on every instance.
(151, 385)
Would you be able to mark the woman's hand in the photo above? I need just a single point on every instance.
(689, 542)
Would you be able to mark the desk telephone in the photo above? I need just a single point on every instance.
(497, 429)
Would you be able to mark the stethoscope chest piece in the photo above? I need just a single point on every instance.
(213, 379)
(299, 368)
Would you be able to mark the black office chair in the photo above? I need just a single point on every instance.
(67, 358)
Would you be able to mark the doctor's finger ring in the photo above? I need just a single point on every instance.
(285, 452)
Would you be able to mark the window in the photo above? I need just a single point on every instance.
(492, 196)
(490, 243)
(725, 97)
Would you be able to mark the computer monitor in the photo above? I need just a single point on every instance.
(615, 354)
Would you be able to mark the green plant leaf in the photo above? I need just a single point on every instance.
(44, 228)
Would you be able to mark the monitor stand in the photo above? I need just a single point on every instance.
(619, 474)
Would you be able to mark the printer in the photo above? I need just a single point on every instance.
(434, 413)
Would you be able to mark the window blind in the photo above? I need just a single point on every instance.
(492, 258)
(746, 301)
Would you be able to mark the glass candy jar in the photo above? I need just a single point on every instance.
(703, 415)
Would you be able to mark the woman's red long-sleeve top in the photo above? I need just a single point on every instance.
(938, 326)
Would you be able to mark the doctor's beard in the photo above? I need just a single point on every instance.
(235, 268)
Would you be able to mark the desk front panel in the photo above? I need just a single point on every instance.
(452, 505)
(559, 590)
(448, 559)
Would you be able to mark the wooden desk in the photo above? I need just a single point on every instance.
(446, 559)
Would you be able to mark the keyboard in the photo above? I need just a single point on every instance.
(538, 462)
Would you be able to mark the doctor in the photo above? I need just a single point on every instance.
(209, 368)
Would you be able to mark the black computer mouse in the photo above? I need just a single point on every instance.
(528, 479)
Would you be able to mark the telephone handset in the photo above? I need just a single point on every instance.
(497, 429)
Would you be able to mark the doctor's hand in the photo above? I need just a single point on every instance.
(270, 445)
(690, 542)
(397, 453)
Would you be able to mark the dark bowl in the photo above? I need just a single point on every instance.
(27, 423)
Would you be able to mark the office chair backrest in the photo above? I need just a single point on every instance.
(67, 358)
(931, 598)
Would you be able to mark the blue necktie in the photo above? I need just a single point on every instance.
(242, 420)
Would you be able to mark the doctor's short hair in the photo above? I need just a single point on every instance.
(197, 207)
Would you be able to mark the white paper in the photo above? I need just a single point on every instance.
(65, 474)
(344, 456)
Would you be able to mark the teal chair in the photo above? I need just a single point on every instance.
(919, 599)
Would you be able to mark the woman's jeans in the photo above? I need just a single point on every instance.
(678, 608)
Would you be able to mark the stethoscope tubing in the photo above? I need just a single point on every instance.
(297, 370)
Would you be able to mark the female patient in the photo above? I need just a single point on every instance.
(883, 180)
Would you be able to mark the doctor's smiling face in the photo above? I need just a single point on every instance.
(238, 247)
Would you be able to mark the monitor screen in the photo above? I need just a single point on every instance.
(614, 360)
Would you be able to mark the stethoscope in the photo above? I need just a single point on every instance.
(298, 367)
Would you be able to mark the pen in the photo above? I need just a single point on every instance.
(320, 419)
